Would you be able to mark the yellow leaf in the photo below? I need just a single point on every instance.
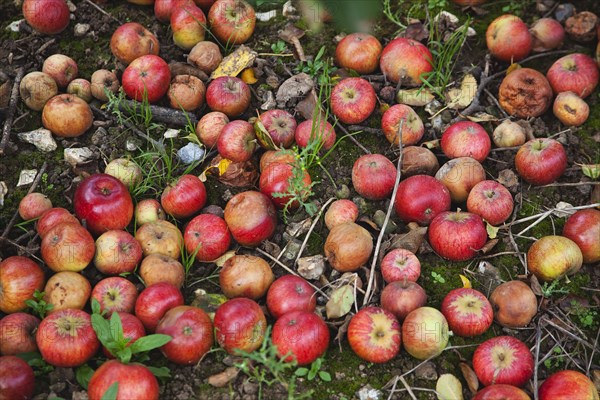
(221, 260)
(448, 387)
(242, 58)
(492, 231)
(457, 99)
(248, 76)
(432, 144)
(465, 281)
(415, 97)
(513, 67)
(223, 165)
(480, 117)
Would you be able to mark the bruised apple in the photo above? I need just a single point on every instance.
(348, 247)
(245, 276)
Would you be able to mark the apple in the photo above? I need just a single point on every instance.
(310, 131)
(17, 333)
(468, 312)
(348, 247)
(245, 276)
(460, 175)
(146, 77)
(301, 334)
(281, 127)
(232, 21)
(412, 127)
(400, 265)
(509, 134)
(36, 88)
(186, 93)
(68, 247)
(402, 297)
(81, 88)
(374, 335)
(359, 52)
(553, 257)
(66, 115)
(425, 333)
(508, 38)
(340, 211)
(206, 56)
(277, 179)
(117, 252)
(115, 294)
(184, 197)
(525, 93)
(501, 392)
(466, 139)
(207, 236)
(131, 40)
(102, 81)
(541, 161)
(188, 23)
(491, 201)
(33, 205)
(192, 334)
(49, 219)
(133, 329)
(67, 289)
(570, 109)
(240, 324)
(457, 235)
(290, 293)
(160, 237)
(567, 384)
(237, 141)
(405, 61)
(148, 210)
(282, 156)
(514, 304)
(21, 277)
(126, 171)
(154, 301)
(164, 8)
(420, 198)
(205, 4)
(157, 268)
(16, 379)
(417, 160)
(103, 203)
(229, 95)
(251, 218)
(48, 17)
(63, 69)
(374, 176)
(66, 338)
(353, 100)
(583, 228)
(576, 73)
(547, 34)
(503, 360)
(209, 128)
(135, 381)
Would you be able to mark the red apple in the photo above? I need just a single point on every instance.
(68, 247)
(412, 127)
(420, 198)
(154, 301)
(400, 265)
(206, 56)
(148, 210)
(209, 128)
(402, 297)
(553, 257)
(17, 334)
(374, 335)
(503, 359)
(237, 141)
(21, 277)
(160, 237)
(133, 329)
(576, 73)
(66, 338)
(186, 93)
(117, 252)
(131, 40)
(33, 205)
(583, 228)
(311, 131)
(146, 77)
(126, 171)
(47, 16)
(188, 23)
(245, 276)
(81, 88)
(547, 34)
(508, 38)
(570, 109)
(468, 312)
(66, 115)
(103, 203)
(514, 304)
(466, 139)
(425, 333)
(63, 69)
(275, 181)
(568, 384)
(374, 176)
(290, 293)
(229, 95)
(457, 235)
(192, 334)
(406, 60)
(251, 218)
(232, 21)
(53, 217)
(208, 236)
(157, 268)
(501, 392)
(115, 294)
(541, 161)
(491, 201)
(36, 88)
(281, 127)
(353, 100)
(348, 247)
(135, 381)
(104, 80)
(240, 324)
(282, 156)
(301, 334)
(16, 379)
(184, 197)
(164, 8)
(67, 290)
(340, 211)
(359, 52)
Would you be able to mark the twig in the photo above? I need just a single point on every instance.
(12, 106)
(408, 389)
(496, 102)
(529, 218)
(22, 248)
(569, 184)
(570, 334)
(538, 343)
(351, 137)
(511, 237)
(45, 46)
(275, 54)
(97, 7)
(368, 129)
(161, 114)
(312, 227)
(589, 366)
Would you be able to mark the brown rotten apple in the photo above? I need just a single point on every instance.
(348, 247)
(36, 88)
(525, 93)
(104, 80)
(570, 109)
(206, 56)
(67, 115)
(186, 92)
(245, 276)
(514, 304)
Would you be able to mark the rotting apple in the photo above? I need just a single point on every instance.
(33, 205)
(184, 197)
(36, 88)
(374, 176)
(358, 51)
(103, 81)
(67, 247)
(402, 297)
(583, 228)
(229, 95)
(240, 324)
(186, 93)
(206, 56)
(412, 125)
(374, 335)
(417, 160)
(425, 333)
(399, 265)
(570, 109)
(251, 218)
(353, 100)
(209, 128)
(525, 93)
(117, 252)
(541, 161)
(207, 236)
(509, 134)
(508, 39)
(63, 69)
(66, 115)
(457, 235)
(146, 77)
(301, 334)
(154, 301)
(17, 333)
(115, 294)
(468, 312)
(514, 304)
(157, 268)
(406, 61)
(503, 359)
(491, 201)
(245, 276)
(290, 293)
(348, 247)
(161, 237)
(552, 257)
(132, 40)
(67, 289)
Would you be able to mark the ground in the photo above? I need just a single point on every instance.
(572, 304)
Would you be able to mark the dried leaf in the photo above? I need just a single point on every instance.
(508, 179)
(448, 387)
(596, 378)
(489, 246)
(221, 260)
(415, 97)
(263, 136)
(223, 378)
(340, 302)
(536, 288)
(236, 174)
(457, 99)
(492, 230)
(416, 31)
(339, 337)
(432, 144)
(243, 57)
(470, 377)
(411, 240)
(308, 105)
(291, 31)
(513, 67)
(248, 76)
(563, 209)
(465, 281)
(481, 117)
(208, 302)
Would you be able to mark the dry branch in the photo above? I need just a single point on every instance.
(12, 106)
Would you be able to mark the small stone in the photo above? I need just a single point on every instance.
(426, 371)
(81, 30)
(99, 137)
(41, 138)
(80, 395)
(387, 94)
(311, 267)
(26, 177)
(76, 156)
(292, 249)
(269, 103)
(564, 11)
(131, 145)
(15, 26)
(249, 387)
(190, 153)
(171, 133)
(3, 192)
(368, 393)
(72, 7)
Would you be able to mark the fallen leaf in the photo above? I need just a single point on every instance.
(307, 106)
(416, 31)
(448, 387)
(243, 57)
(465, 281)
(563, 209)
(513, 67)
(248, 76)
(481, 117)
(509, 179)
(489, 246)
(431, 144)
(536, 288)
(221, 260)
(291, 31)
(492, 230)
(223, 378)
(470, 377)
(415, 97)
(208, 302)
(411, 240)
(236, 174)
(340, 302)
(590, 170)
(263, 136)
(457, 99)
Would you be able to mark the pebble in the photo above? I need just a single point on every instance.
(131, 145)
(564, 11)
(171, 133)
(26, 177)
(311, 267)
(80, 395)
(41, 138)
(15, 26)
(426, 371)
(190, 153)
(368, 393)
(99, 137)
(292, 249)
(76, 156)
(81, 30)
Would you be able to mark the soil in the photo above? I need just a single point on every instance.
(573, 303)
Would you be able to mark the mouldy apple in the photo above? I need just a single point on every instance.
(206, 56)
(81, 88)
(525, 93)
(186, 92)
(104, 80)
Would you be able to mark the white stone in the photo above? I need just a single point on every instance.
(311, 267)
(78, 156)
(81, 29)
(26, 177)
(266, 16)
(190, 153)
(171, 133)
(41, 138)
